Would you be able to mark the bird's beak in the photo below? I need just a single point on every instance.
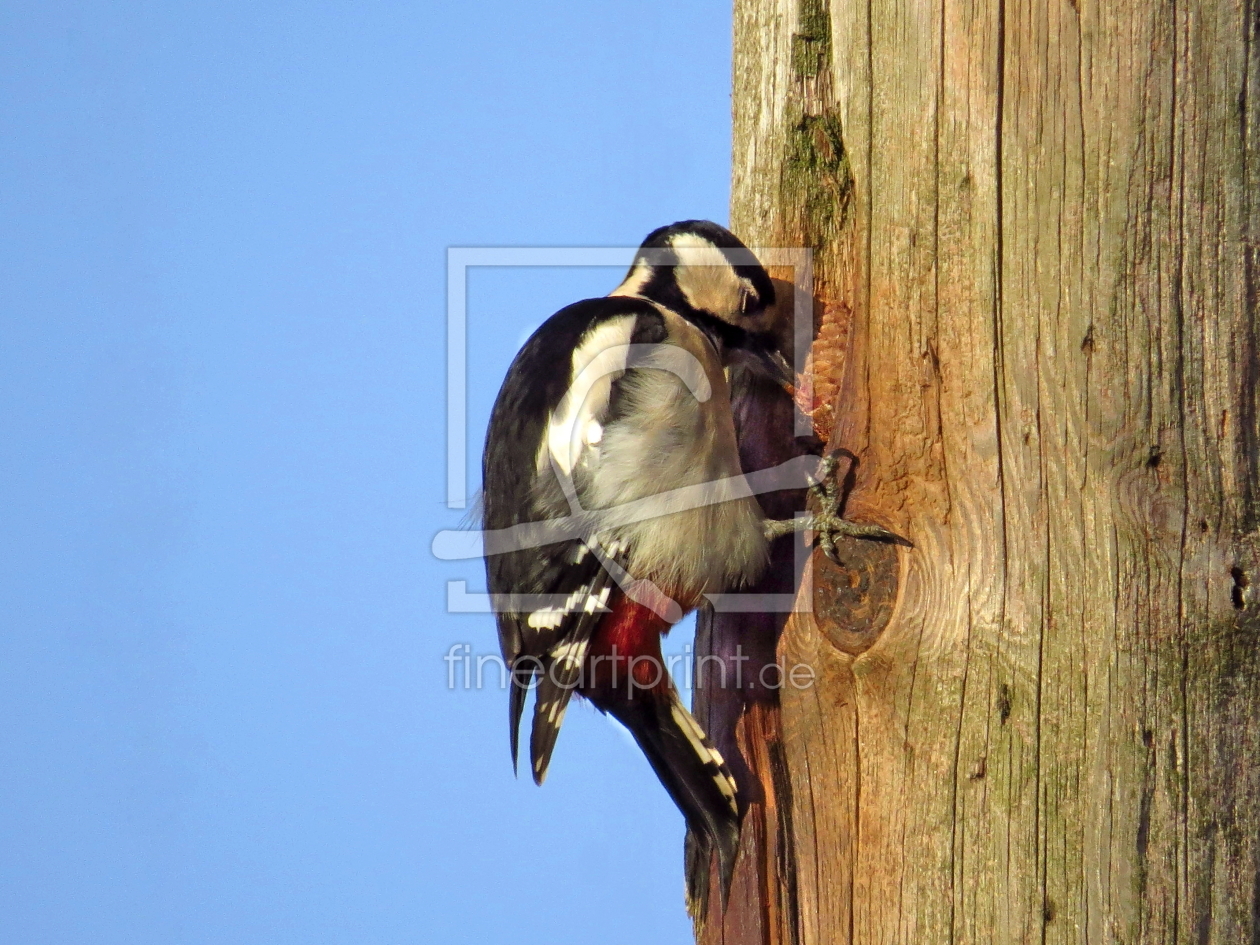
(767, 362)
(759, 354)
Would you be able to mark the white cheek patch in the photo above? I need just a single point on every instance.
(706, 277)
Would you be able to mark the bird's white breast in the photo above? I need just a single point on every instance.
(670, 433)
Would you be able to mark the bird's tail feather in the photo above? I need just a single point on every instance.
(516, 707)
(692, 771)
(561, 673)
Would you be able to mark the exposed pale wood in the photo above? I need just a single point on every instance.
(1037, 235)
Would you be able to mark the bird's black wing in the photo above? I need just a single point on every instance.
(545, 641)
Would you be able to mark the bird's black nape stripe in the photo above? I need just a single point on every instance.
(727, 336)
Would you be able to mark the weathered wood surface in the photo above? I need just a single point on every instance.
(1037, 229)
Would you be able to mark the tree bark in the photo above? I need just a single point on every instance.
(1037, 268)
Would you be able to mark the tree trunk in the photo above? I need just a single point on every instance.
(1037, 268)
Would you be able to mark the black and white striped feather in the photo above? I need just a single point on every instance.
(553, 643)
(562, 666)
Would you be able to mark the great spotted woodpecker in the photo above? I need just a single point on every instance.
(616, 416)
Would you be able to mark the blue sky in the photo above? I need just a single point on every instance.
(222, 427)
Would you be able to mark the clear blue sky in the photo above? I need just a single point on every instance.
(224, 704)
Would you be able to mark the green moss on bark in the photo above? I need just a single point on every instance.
(817, 182)
(811, 47)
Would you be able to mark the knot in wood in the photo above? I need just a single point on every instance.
(854, 600)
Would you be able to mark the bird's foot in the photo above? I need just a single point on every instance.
(827, 521)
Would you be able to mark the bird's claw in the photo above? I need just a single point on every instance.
(828, 523)
(825, 489)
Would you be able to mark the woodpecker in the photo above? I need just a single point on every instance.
(614, 404)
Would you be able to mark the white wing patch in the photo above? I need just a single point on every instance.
(570, 655)
(597, 361)
(546, 619)
(580, 601)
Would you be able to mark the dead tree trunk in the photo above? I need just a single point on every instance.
(1037, 236)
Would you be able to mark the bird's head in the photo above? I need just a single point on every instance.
(698, 268)
(704, 273)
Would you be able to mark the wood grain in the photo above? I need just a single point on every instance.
(1036, 230)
